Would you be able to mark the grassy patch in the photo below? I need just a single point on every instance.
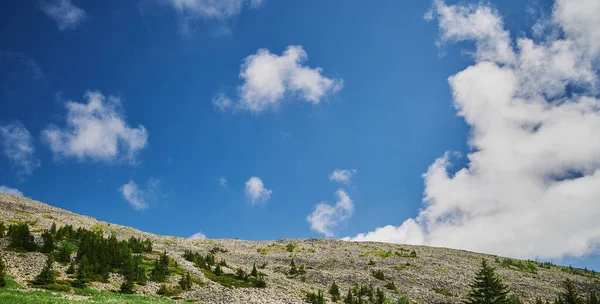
(443, 292)
(519, 265)
(11, 283)
(8, 296)
(579, 272)
(98, 228)
(269, 248)
(442, 270)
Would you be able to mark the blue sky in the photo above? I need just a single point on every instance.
(371, 95)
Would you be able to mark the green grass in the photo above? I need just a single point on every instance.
(11, 283)
(443, 292)
(519, 265)
(11, 296)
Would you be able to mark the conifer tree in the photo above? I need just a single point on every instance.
(293, 269)
(127, 286)
(47, 275)
(254, 272)
(53, 229)
(186, 282)
(487, 288)
(2, 272)
(64, 253)
(334, 291)
(48, 239)
(570, 295)
(20, 237)
(161, 269)
(84, 273)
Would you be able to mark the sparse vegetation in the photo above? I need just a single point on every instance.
(378, 274)
(519, 265)
(313, 298)
(443, 292)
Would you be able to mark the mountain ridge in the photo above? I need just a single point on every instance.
(431, 275)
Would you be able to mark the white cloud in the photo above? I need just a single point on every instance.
(17, 145)
(65, 13)
(137, 197)
(198, 236)
(270, 78)
(97, 131)
(530, 188)
(478, 23)
(326, 218)
(4, 189)
(218, 11)
(342, 176)
(223, 182)
(256, 191)
(215, 9)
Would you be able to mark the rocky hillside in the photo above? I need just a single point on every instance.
(424, 274)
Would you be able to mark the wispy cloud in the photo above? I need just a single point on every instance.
(256, 191)
(65, 13)
(325, 218)
(342, 175)
(223, 182)
(96, 131)
(137, 197)
(533, 173)
(209, 10)
(270, 78)
(198, 236)
(17, 145)
(4, 189)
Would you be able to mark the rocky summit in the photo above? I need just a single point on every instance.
(421, 274)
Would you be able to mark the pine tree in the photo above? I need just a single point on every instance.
(2, 272)
(48, 242)
(53, 229)
(186, 282)
(84, 273)
(334, 291)
(64, 253)
(487, 288)
(293, 269)
(20, 237)
(570, 295)
(47, 275)
(127, 286)
(161, 269)
(254, 272)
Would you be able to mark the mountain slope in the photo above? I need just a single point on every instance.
(424, 274)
